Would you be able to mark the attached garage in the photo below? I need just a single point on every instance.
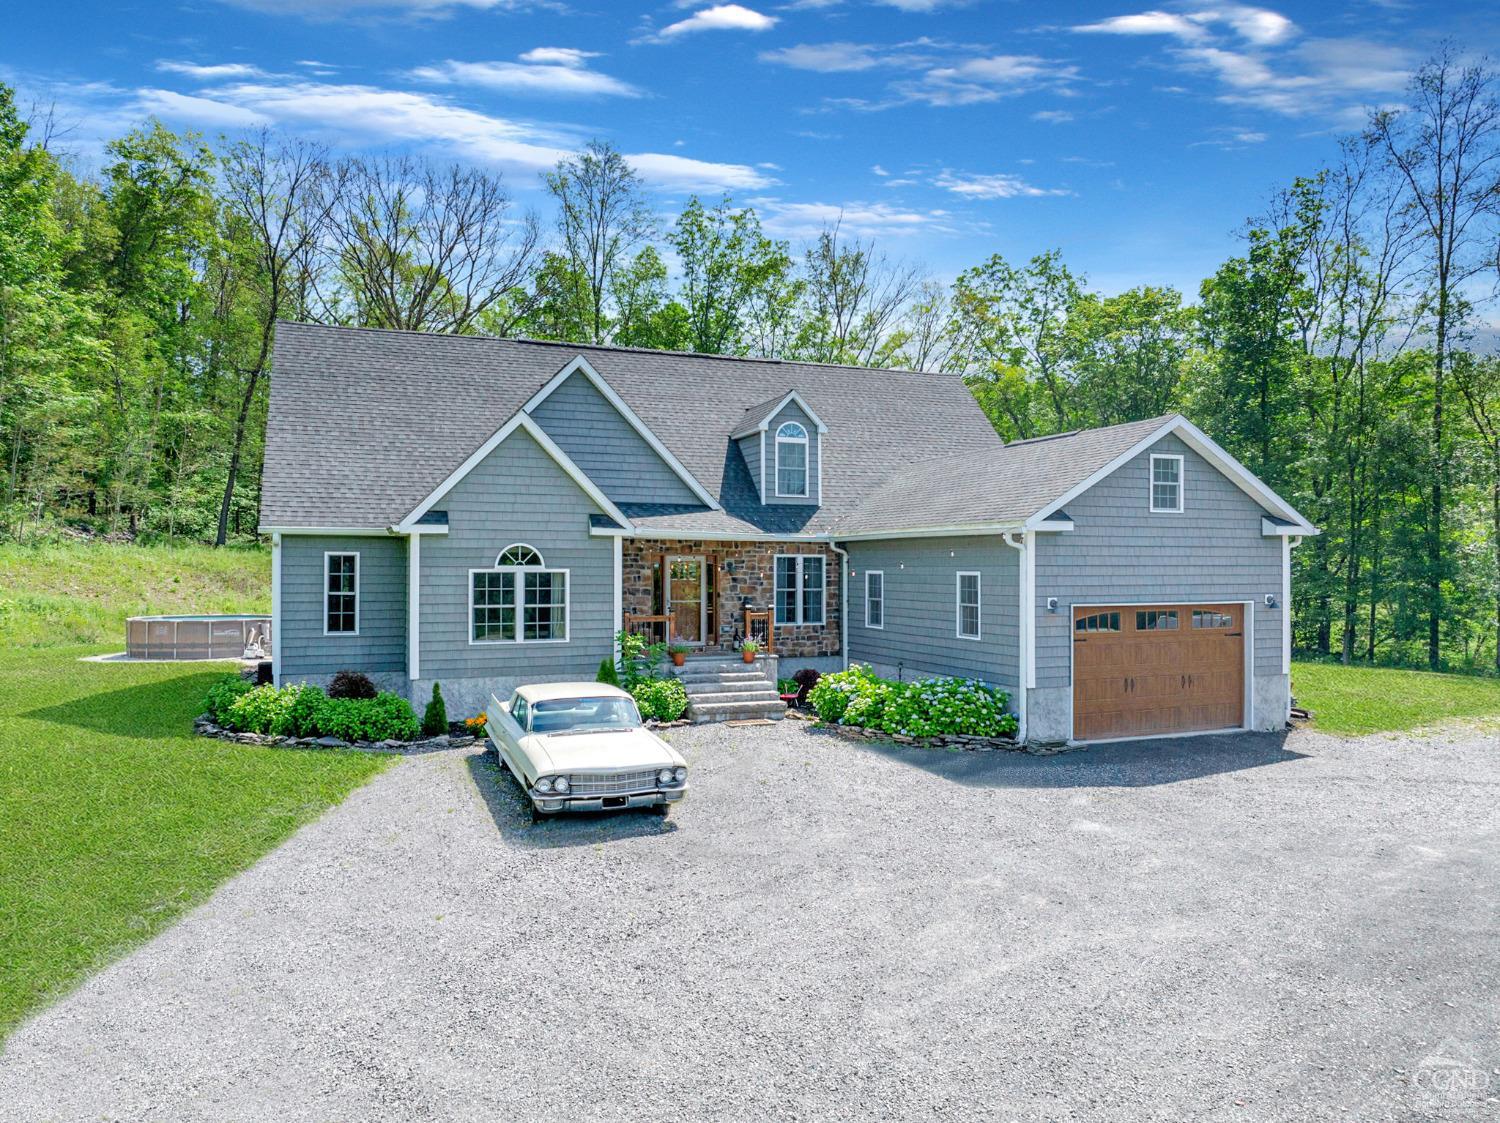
(1145, 670)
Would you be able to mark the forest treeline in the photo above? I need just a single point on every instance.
(1343, 353)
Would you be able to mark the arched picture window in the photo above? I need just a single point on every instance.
(519, 600)
(791, 461)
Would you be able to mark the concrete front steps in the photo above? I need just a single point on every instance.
(729, 690)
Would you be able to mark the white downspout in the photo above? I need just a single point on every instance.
(276, 609)
(414, 606)
(1026, 624)
(843, 597)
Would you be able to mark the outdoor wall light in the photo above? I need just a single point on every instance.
(1051, 604)
(1270, 600)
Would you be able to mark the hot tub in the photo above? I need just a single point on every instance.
(197, 637)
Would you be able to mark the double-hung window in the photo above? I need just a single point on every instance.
(874, 598)
(340, 594)
(799, 589)
(968, 605)
(1166, 484)
(791, 461)
(519, 600)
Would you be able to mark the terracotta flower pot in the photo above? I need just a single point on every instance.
(749, 656)
(679, 658)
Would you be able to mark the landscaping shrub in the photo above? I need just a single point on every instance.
(607, 673)
(435, 718)
(665, 699)
(929, 708)
(222, 694)
(304, 710)
(384, 717)
(266, 709)
(351, 684)
(640, 659)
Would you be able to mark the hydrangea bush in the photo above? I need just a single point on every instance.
(930, 708)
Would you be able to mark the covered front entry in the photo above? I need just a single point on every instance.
(1143, 670)
(687, 600)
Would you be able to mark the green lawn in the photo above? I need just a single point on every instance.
(114, 819)
(68, 593)
(1378, 699)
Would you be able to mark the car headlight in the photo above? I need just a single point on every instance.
(544, 784)
(679, 774)
(664, 776)
(560, 784)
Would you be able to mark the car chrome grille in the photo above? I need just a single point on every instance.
(611, 783)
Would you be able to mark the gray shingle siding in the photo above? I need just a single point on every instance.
(516, 494)
(380, 645)
(1121, 553)
(921, 605)
(750, 452)
(611, 453)
(792, 412)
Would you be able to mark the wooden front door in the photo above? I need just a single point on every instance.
(1149, 669)
(687, 599)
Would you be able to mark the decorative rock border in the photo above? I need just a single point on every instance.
(205, 726)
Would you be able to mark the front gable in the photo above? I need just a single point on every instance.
(784, 427)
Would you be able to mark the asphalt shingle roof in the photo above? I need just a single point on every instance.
(364, 424)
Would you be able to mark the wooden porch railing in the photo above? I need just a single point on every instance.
(654, 627)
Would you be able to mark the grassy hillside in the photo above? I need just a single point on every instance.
(57, 594)
(1354, 700)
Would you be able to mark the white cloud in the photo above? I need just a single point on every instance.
(1145, 23)
(979, 80)
(721, 17)
(199, 110)
(878, 170)
(1052, 116)
(922, 5)
(826, 58)
(1259, 25)
(808, 220)
(570, 79)
(210, 72)
(557, 56)
(355, 114)
(996, 186)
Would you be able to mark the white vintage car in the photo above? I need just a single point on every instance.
(580, 746)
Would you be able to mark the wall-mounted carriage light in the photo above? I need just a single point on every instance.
(1051, 604)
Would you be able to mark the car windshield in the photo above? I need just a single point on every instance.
(571, 715)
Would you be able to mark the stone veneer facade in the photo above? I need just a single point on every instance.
(754, 576)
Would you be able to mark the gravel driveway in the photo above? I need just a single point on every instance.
(1249, 927)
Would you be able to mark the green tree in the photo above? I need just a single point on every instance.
(724, 259)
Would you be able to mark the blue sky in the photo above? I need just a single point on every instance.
(1136, 137)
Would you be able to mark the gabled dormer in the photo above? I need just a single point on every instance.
(781, 441)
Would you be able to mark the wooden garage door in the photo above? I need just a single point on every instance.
(1146, 669)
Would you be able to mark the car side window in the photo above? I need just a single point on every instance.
(518, 711)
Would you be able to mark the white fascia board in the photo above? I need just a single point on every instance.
(1271, 529)
(1054, 526)
(1202, 444)
(581, 365)
(345, 531)
(648, 533)
(610, 532)
(521, 420)
(764, 423)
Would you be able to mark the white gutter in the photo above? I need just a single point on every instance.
(1025, 639)
(843, 600)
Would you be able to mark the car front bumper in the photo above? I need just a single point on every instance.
(557, 805)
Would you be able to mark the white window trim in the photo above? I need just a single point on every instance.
(806, 444)
(880, 627)
(798, 571)
(958, 603)
(520, 597)
(327, 554)
(1181, 484)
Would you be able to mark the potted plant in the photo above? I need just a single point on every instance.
(678, 652)
(748, 650)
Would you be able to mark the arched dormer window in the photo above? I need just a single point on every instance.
(791, 461)
(518, 600)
